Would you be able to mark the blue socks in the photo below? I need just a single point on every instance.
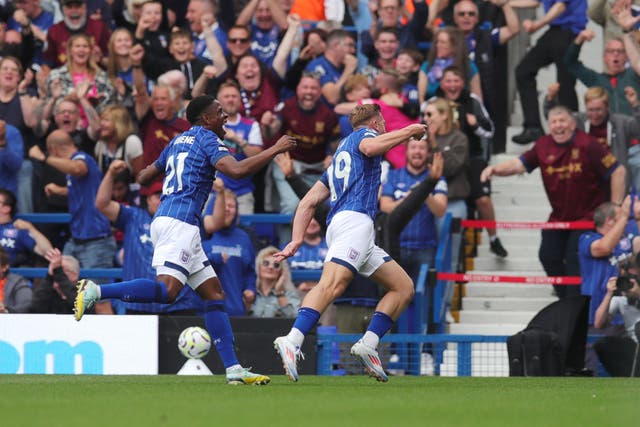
(306, 320)
(219, 327)
(136, 290)
(380, 324)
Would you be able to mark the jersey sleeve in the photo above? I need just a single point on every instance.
(125, 217)
(602, 159)
(214, 148)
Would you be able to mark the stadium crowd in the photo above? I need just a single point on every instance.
(92, 91)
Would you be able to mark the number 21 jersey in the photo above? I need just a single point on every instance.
(353, 178)
(189, 165)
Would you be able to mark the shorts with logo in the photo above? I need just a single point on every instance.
(178, 251)
(351, 242)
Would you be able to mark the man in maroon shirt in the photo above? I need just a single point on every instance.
(314, 125)
(575, 172)
(75, 21)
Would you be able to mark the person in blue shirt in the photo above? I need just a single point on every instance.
(614, 240)
(91, 243)
(18, 237)
(137, 246)
(351, 183)
(189, 163)
(11, 155)
(418, 240)
(231, 253)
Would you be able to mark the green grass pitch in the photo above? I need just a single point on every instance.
(36, 400)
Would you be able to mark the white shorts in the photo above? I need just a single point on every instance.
(178, 251)
(351, 242)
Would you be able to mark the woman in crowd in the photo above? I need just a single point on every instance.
(119, 66)
(81, 68)
(15, 290)
(449, 48)
(275, 294)
(445, 137)
(118, 140)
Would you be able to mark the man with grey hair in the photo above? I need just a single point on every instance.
(576, 172)
(75, 20)
(56, 292)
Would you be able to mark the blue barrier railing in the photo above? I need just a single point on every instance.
(443, 263)
(464, 342)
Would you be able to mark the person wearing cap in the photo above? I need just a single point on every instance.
(189, 163)
(75, 20)
(137, 247)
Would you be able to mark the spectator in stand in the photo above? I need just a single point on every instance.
(446, 137)
(16, 109)
(75, 21)
(238, 43)
(487, 49)
(91, 240)
(618, 132)
(267, 20)
(602, 13)
(119, 67)
(449, 49)
(176, 80)
(575, 169)
(336, 65)
(396, 110)
(231, 254)
(29, 13)
(388, 15)
(408, 66)
(476, 124)
(619, 355)
(19, 44)
(19, 238)
(418, 240)
(276, 296)
(118, 140)
(314, 45)
(138, 248)
(356, 89)
(150, 34)
(633, 158)
(11, 154)
(81, 68)
(384, 53)
(55, 293)
(565, 20)
(601, 252)
(195, 11)
(243, 138)
(15, 290)
(615, 78)
(314, 125)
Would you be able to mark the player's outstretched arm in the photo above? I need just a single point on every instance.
(148, 174)
(306, 208)
(249, 166)
(380, 144)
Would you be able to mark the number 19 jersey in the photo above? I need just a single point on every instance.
(189, 165)
(353, 178)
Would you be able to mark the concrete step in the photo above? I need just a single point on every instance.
(486, 329)
(508, 290)
(491, 317)
(511, 264)
(507, 198)
(494, 304)
(522, 213)
(515, 247)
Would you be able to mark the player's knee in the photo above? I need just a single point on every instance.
(172, 293)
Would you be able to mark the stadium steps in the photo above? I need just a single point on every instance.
(516, 198)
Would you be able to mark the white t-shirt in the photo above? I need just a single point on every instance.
(128, 150)
(630, 314)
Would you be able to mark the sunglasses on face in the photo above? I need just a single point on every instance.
(234, 40)
(274, 264)
(466, 13)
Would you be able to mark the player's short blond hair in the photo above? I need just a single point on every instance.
(363, 113)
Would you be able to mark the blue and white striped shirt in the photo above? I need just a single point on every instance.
(353, 178)
(189, 164)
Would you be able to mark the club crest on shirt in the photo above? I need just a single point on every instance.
(353, 254)
(184, 256)
(575, 154)
(10, 232)
(319, 127)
